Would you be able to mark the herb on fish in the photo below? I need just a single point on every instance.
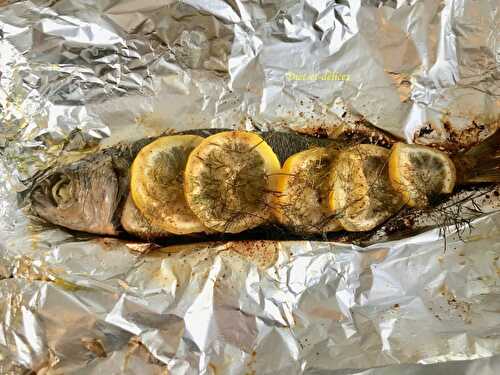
(229, 182)
(360, 192)
(233, 184)
(168, 174)
(303, 191)
(156, 185)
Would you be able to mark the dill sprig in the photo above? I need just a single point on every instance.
(233, 185)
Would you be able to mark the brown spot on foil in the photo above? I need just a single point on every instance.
(108, 243)
(142, 248)
(443, 289)
(153, 124)
(46, 366)
(326, 313)
(401, 81)
(95, 346)
(251, 363)
(377, 256)
(462, 308)
(453, 138)
(30, 269)
(262, 253)
(137, 348)
(314, 129)
(212, 367)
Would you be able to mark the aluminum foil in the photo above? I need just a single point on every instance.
(79, 75)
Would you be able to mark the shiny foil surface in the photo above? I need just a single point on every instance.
(80, 75)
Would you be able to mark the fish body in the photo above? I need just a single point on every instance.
(92, 195)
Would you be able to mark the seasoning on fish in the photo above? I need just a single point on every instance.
(360, 192)
(420, 172)
(229, 181)
(157, 180)
(302, 187)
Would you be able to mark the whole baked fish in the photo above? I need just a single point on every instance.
(89, 195)
(93, 194)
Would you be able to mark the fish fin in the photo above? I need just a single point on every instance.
(481, 163)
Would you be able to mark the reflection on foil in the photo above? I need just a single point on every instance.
(316, 307)
(78, 75)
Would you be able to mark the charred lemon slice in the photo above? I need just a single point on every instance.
(419, 172)
(229, 181)
(302, 189)
(157, 184)
(360, 192)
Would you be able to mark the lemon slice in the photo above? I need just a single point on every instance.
(134, 222)
(157, 184)
(361, 194)
(229, 181)
(303, 190)
(419, 172)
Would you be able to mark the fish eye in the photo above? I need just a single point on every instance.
(61, 190)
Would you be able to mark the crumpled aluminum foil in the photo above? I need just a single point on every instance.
(77, 75)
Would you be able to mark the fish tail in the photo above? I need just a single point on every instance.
(481, 163)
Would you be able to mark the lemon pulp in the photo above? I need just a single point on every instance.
(419, 172)
(230, 179)
(302, 192)
(360, 192)
(157, 184)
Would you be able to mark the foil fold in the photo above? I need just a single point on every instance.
(77, 76)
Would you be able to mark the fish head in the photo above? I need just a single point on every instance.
(85, 196)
